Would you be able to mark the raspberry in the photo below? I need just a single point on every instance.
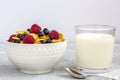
(35, 28)
(10, 38)
(28, 39)
(54, 34)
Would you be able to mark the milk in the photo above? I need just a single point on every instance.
(94, 51)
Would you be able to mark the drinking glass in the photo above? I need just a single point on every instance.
(94, 46)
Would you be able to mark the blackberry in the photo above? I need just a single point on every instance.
(40, 33)
(46, 31)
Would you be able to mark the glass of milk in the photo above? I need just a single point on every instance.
(94, 45)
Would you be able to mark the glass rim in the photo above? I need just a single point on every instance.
(95, 27)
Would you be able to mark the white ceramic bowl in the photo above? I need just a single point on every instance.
(35, 58)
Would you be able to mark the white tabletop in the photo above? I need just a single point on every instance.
(9, 72)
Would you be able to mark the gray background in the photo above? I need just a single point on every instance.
(61, 15)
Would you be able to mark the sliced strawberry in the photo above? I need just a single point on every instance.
(54, 34)
(10, 38)
(28, 39)
(35, 28)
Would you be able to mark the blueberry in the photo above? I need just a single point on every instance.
(20, 36)
(17, 41)
(48, 41)
(28, 29)
(42, 41)
(40, 33)
(46, 31)
(51, 37)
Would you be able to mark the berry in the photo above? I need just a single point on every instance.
(42, 41)
(51, 37)
(46, 31)
(17, 41)
(28, 29)
(40, 33)
(35, 28)
(48, 41)
(21, 36)
(28, 39)
(54, 33)
(10, 38)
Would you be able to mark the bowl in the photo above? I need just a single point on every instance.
(35, 58)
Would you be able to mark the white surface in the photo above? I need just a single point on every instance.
(9, 72)
(62, 15)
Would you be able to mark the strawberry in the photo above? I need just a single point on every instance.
(28, 39)
(10, 38)
(35, 28)
(54, 34)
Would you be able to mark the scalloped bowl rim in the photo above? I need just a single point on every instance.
(37, 44)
